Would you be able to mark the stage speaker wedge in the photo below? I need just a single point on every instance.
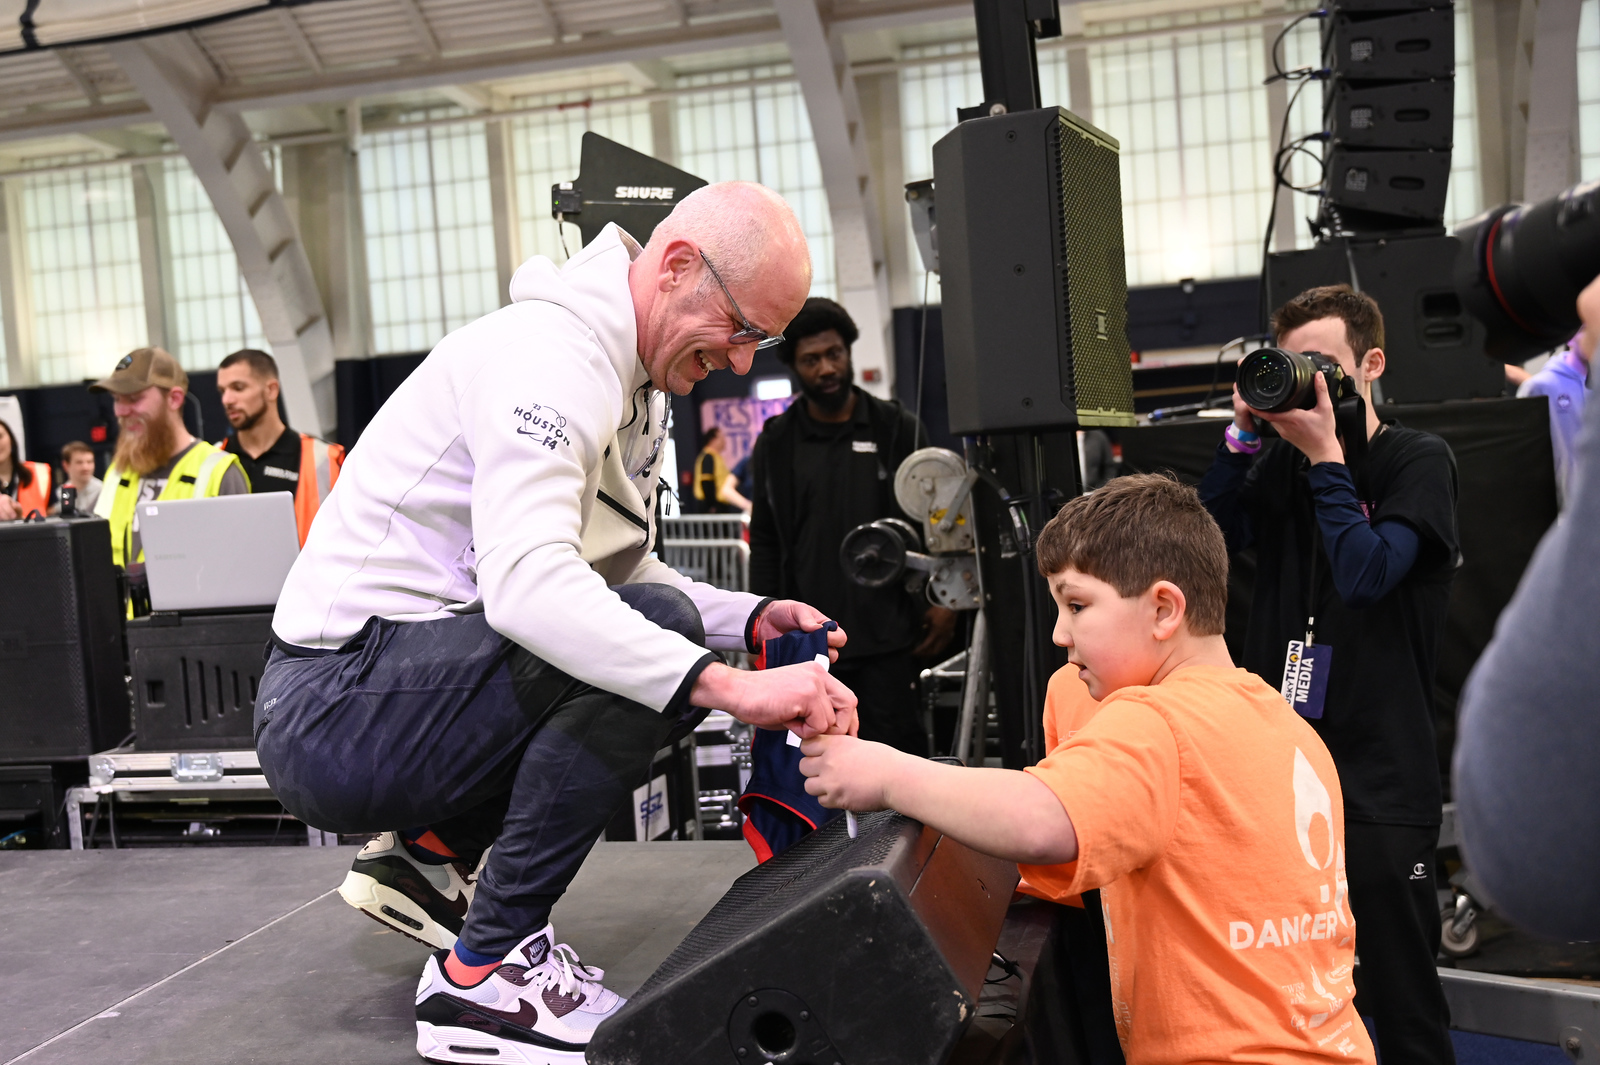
(1403, 185)
(1033, 276)
(1416, 115)
(843, 950)
(1407, 47)
(62, 692)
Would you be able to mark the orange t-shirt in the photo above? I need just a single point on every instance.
(1210, 816)
(1068, 706)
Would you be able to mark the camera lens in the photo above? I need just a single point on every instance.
(1268, 379)
(1272, 379)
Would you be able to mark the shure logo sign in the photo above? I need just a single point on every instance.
(645, 192)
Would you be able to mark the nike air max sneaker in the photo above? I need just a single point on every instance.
(426, 902)
(538, 1008)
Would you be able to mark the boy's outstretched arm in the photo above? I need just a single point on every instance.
(1008, 814)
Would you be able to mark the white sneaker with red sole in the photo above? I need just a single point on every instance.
(538, 1008)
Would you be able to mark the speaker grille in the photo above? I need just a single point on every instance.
(44, 697)
(775, 886)
(1094, 278)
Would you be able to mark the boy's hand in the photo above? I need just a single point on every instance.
(846, 773)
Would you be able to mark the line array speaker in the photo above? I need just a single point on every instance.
(1413, 115)
(1405, 185)
(1388, 111)
(1418, 44)
(846, 950)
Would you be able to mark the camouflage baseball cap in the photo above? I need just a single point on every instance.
(141, 369)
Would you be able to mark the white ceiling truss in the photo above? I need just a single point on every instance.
(334, 51)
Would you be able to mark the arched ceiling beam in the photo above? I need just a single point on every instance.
(823, 72)
(178, 83)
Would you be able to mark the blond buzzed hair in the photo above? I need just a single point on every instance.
(1138, 530)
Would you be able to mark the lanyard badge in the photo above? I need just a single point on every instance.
(1305, 674)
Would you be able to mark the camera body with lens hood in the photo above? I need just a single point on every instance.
(1276, 379)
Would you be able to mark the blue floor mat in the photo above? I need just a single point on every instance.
(1475, 1049)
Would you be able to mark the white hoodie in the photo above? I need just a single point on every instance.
(514, 473)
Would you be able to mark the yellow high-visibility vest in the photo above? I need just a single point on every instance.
(198, 475)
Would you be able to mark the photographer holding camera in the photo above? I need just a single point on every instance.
(1351, 591)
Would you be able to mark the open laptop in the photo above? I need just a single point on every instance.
(228, 552)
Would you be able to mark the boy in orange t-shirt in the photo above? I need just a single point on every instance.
(1207, 812)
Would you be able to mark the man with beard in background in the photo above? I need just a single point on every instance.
(156, 456)
(819, 469)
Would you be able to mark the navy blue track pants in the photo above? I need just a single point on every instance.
(448, 724)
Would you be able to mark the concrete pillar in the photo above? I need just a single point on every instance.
(1550, 159)
(503, 200)
(155, 255)
(823, 72)
(16, 299)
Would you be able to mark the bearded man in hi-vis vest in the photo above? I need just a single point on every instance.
(156, 457)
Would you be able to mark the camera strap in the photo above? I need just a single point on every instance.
(1350, 419)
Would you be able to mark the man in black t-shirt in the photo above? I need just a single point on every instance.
(1353, 588)
(818, 470)
(277, 458)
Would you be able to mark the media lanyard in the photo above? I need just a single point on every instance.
(1306, 663)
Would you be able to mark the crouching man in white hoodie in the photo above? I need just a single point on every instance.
(474, 642)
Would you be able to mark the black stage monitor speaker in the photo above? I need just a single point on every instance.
(1419, 44)
(617, 184)
(62, 694)
(1416, 115)
(1434, 347)
(1034, 282)
(837, 950)
(1404, 185)
(195, 679)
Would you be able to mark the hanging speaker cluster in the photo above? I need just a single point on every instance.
(1388, 108)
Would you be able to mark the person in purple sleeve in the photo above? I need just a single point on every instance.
(1527, 793)
(1564, 380)
(1359, 588)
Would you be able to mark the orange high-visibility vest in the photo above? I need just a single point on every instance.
(35, 496)
(320, 463)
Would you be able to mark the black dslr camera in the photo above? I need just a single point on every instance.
(1275, 380)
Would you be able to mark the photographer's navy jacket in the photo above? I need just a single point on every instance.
(1376, 575)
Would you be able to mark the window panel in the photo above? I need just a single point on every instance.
(759, 133)
(213, 312)
(83, 270)
(429, 230)
(1589, 90)
(546, 149)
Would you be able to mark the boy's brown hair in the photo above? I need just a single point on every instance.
(1363, 322)
(72, 448)
(1138, 530)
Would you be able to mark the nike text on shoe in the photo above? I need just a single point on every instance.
(538, 1008)
(425, 902)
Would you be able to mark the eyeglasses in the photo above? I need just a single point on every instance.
(762, 338)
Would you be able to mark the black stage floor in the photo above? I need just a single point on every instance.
(247, 955)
